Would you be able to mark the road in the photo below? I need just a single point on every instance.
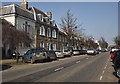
(83, 68)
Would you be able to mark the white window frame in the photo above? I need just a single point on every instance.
(49, 45)
(43, 30)
(60, 37)
(54, 46)
(49, 34)
(48, 20)
(42, 44)
(54, 33)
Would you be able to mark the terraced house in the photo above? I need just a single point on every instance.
(40, 27)
(46, 30)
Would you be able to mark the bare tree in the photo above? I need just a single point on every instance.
(70, 22)
(117, 40)
(90, 43)
(103, 43)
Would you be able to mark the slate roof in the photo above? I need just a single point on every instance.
(16, 9)
(38, 11)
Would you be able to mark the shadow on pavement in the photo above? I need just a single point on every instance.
(119, 81)
(114, 73)
(112, 65)
(4, 67)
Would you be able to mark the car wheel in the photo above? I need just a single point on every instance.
(23, 60)
(31, 60)
(118, 72)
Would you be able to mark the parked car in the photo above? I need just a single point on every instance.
(75, 52)
(117, 65)
(113, 50)
(81, 52)
(67, 52)
(103, 50)
(91, 52)
(84, 52)
(35, 54)
(52, 55)
(59, 53)
(114, 55)
(97, 51)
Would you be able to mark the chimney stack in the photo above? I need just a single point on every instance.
(76, 34)
(64, 28)
(24, 4)
(49, 14)
(70, 30)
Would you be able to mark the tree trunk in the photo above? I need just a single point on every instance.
(17, 58)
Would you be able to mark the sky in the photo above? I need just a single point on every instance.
(98, 18)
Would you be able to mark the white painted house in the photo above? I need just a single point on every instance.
(22, 18)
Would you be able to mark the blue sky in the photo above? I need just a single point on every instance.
(98, 18)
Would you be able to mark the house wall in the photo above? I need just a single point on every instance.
(10, 18)
(31, 30)
(45, 38)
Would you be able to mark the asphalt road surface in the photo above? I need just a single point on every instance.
(82, 68)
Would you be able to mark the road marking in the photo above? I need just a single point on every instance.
(101, 77)
(77, 62)
(86, 58)
(59, 69)
(103, 72)
(105, 67)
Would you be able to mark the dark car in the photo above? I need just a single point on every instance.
(81, 52)
(117, 65)
(113, 50)
(52, 55)
(35, 54)
(114, 55)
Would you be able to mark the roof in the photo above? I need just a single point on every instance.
(16, 9)
(37, 11)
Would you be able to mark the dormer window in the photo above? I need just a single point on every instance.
(53, 22)
(42, 30)
(47, 20)
(54, 33)
(42, 18)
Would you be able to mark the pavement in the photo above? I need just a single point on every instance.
(81, 68)
(5, 61)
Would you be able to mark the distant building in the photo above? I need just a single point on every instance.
(99, 47)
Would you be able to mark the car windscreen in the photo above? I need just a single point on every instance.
(28, 52)
(66, 51)
(58, 51)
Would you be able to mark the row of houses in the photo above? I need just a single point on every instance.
(41, 27)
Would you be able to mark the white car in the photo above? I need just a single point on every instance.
(113, 50)
(91, 52)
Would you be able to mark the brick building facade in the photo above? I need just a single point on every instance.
(45, 31)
